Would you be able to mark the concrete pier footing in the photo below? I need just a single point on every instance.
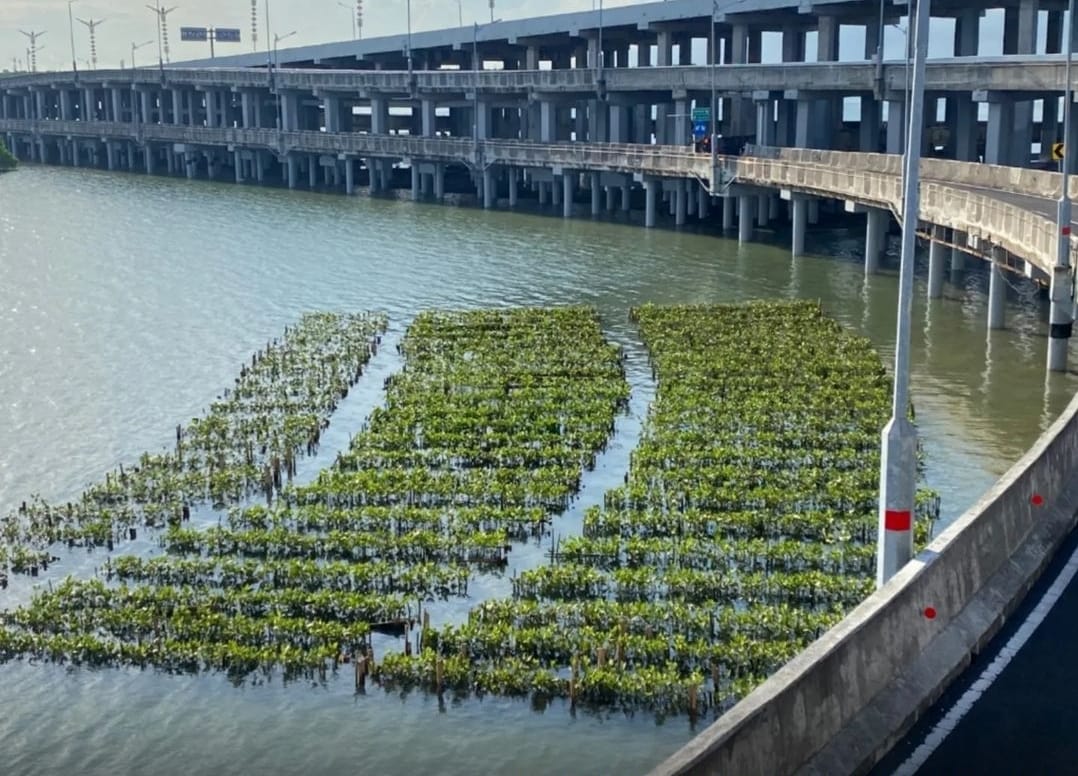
(744, 217)
(935, 265)
(799, 206)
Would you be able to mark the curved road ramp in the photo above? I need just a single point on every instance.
(838, 707)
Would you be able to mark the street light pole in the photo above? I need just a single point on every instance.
(1061, 312)
(348, 8)
(71, 32)
(898, 458)
(409, 39)
(135, 47)
(714, 96)
(460, 12)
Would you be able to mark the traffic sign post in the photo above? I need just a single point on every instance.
(202, 34)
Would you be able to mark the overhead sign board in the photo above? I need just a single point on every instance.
(194, 33)
(227, 35)
(701, 114)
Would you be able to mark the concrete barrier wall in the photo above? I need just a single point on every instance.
(973, 574)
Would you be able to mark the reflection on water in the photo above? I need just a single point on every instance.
(127, 303)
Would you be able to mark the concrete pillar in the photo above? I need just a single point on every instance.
(744, 217)
(702, 201)
(548, 121)
(799, 206)
(896, 126)
(728, 205)
(679, 202)
(611, 199)
(596, 194)
(958, 256)
(870, 124)
(65, 105)
(177, 106)
(651, 189)
(618, 124)
(312, 171)
(511, 173)
(110, 154)
(415, 181)
(349, 176)
(875, 223)
(489, 190)
(567, 180)
(190, 163)
(935, 264)
(626, 197)
(439, 181)
(997, 289)
(428, 117)
(997, 140)
(292, 164)
(763, 209)
(541, 192)
(117, 105)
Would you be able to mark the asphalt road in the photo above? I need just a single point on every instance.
(1015, 710)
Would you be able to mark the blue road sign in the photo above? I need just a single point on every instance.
(227, 35)
(699, 128)
(193, 33)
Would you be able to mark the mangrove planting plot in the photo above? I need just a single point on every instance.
(248, 441)
(482, 440)
(745, 527)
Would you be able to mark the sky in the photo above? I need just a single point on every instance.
(130, 22)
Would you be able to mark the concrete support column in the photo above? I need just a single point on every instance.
(626, 197)
(292, 164)
(679, 202)
(596, 194)
(958, 256)
(998, 142)
(896, 126)
(548, 121)
(876, 222)
(331, 113)
(997, 291)
(428, 117)
(745, 205)
(618, 124)
(489, 190)
(117, 105)
(935, 264)
(74, 153)
(541, 193)
(799, 207)
(439, 181)
(349, 176)
(567, 180)
(237, 162)
(869, 140)
(763, 209)
(110, 154)
(611, 199)
(416, 187)
(177, 106)
(702, 201)
(728, 206)
(65, 106)
(651, 190)
(312, 171)
(513, 181)
(190, 164)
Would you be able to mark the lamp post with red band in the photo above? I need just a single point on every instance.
(1060, 314)
(898, 458)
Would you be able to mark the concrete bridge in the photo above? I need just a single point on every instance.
(587, 123)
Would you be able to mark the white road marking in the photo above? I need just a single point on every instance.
(992, 672)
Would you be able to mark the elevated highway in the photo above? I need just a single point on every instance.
(1014, 74)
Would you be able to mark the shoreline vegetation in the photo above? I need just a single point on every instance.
(8, 161)
(744, 529)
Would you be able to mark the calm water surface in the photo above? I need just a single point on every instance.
(127, 303)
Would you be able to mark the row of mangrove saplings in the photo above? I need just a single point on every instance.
(744, 529)
(249, 441)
